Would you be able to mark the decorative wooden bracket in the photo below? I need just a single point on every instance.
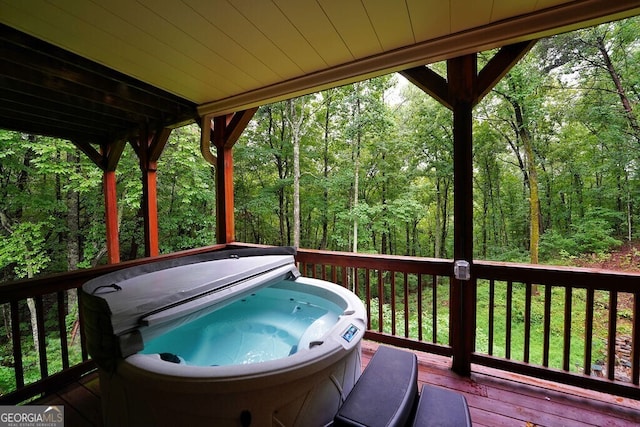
(439, 88)
(107, 158)
(229, 128)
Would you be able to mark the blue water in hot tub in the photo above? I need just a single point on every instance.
(265, 325)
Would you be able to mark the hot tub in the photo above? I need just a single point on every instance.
(230, 338)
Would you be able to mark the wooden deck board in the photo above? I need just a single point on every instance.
(495, 398)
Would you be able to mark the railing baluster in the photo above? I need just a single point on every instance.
(527, 323)
(406, 305)
(635, 352)
(367, 285)
(492, 304)
(83, 343)
(420, 319)
(507, 344)
(16, 339)
(547, 325)
(393, 302)
(566, 357)
(42, 342)
(62, 330)
(434, 308)
(356, 282)
(611, 350)
(380, 301)
(588, 331)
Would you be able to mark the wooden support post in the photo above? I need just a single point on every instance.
(226, 131)
(148, 147)
(111, 216)
(462, 76)
(460, 92)
(150, 209)
(225, 225)
(108, 160)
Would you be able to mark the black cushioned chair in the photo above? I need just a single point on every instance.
(439, 407)
(385, 395)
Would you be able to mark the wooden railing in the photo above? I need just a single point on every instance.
(573, 305)
(546, 316)
(410, 304)
(54, 340)
(402, 294)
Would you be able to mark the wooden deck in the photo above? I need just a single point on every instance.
(495, 398)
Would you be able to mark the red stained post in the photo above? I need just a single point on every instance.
(111, 216)
(226, 131)
(150, 209)
(225, 224)
(149, 148)
(225, 189)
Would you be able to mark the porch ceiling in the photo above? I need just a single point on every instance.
(95, 70)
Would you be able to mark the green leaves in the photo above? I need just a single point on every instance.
(25, 250)
(400, 149)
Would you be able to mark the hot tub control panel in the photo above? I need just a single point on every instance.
(350, 333)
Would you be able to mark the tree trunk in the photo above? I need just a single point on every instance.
(617, 81)
(325, 174)
(530, 173)
(356, 167)
(34, 324)
(296, 121)
(6, 318)
(22, 183)
(534, 202)
(534, 198)
(73, 244)
(438, 234)
(33, 315)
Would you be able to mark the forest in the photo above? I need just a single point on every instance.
(368, 168)
(365, 167)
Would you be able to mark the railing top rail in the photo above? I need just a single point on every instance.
(27, 288)
(521, 273)
(406, 264)
(589, 278)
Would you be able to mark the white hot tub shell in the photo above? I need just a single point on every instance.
(125, 311)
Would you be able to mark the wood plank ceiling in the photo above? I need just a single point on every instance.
(220, 56)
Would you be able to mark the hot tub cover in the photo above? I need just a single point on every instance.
(117, 305)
